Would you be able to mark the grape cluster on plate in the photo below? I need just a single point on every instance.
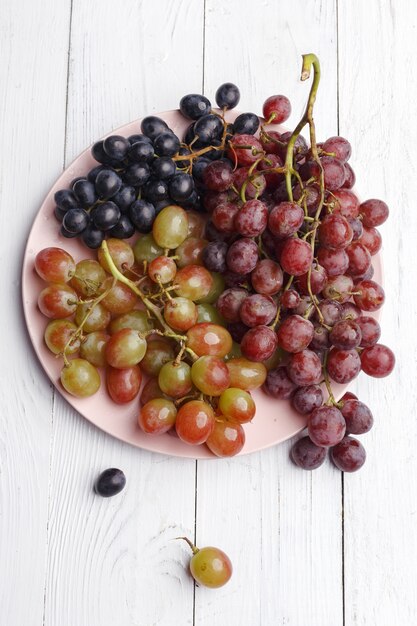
(254, 267)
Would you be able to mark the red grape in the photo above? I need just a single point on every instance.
(335, 232)
(259, 343)
(339, 146)
(326, 426)
(229, 303)
(371, 239)
(345, 334)
(349, 455)
(237, 405)
(218, 176)
(306, 399)
(358, 417)
(123, 384)
(307, 455)
(242, 256)
(295, 333)
(359, 259)
(370, 296)
(373, 212)
(296, 257)
(209, 339)
(334, 172)
(244, 149)
(195, 422)
(318, 279)
(370, 330)
(304, 368)
(377, 361)
(267, 277)
(285, 219)
(277, 109)
(350, 177)
(335, 262)
(343, 365)
(251, 219)
(257, 309)
(223, 217)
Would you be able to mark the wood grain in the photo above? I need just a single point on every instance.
(32, 105)
(282, 527)
(378, 99)
(305, 552)
(108, 558)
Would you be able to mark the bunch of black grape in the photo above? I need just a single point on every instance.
(139, 175)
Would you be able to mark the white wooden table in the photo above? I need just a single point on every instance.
(309, 549)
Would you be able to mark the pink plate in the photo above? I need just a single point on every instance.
(275, 420)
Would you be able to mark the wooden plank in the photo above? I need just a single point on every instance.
(114, 561)
(32, 105)
(281, 526)
(378, 101)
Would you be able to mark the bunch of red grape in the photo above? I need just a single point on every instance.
(272, 286)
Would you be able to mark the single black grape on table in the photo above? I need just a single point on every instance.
(230, 256)
(110, 483)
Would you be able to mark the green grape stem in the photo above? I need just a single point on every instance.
(152, 308)
(78, 332)
(192, 546)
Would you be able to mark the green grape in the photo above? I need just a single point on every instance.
(145, 249)
(88, 278)
(175, 379)
(209, 566)
(93, 348)
(170, 227)
(80, 378)
(275, 360)
(98, 318)
(120, 298)
(162, 270)
(193, 282)
(57, 335)
(125, 348)
(234, 353)
(217, 288)
(136, 320)
(120, 252)
(159, 352)
(237, 405)
(190, 252)
(180, 313)
(210, 375)
(157, 416)
(208, 313)
(245, 374)
(209, 339)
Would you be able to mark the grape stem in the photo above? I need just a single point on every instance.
(192, 546)
(309, 60)
(78, 332)
(152, 308)
(278, 315)
(331, 399)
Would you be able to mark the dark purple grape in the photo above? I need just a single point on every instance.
(307, 455)
(166, 144)
(152, 126)
(306, 399)
(85, 192)
(214, 256)
(106, 215)
(66, 199)
(75, 221)
(137, 174)
(358, 417)
(92, 237)
(278, 384)
(227, 96)
(116, 147)
(107, 184)
(142, 215)
(124, 197)
(141, 152)
(181, 187)
(163, 168)
(110, 482)
(194, 106)
(349, 455)
(123, 229)
(246, 124)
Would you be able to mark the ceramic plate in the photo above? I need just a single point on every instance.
(275, 420)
